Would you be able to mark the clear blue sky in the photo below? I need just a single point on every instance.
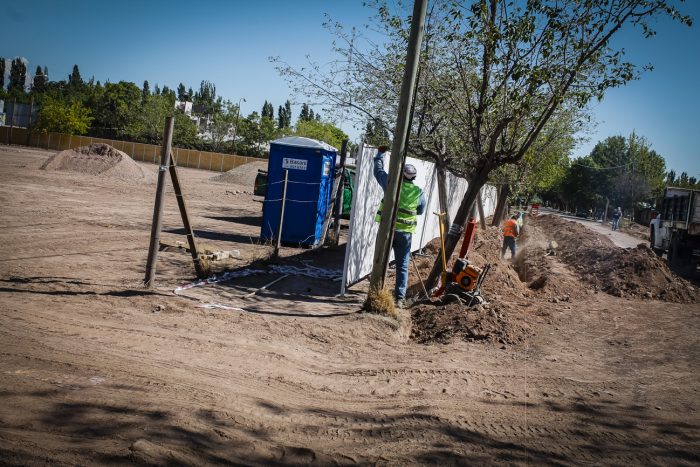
(229, 42)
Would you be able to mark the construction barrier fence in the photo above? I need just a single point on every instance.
(193, 158)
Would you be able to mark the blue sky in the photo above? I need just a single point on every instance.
(229, 42)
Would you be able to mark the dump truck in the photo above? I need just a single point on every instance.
(675, 230)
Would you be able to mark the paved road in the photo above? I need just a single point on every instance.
(620, 239)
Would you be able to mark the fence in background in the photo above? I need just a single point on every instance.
(192, 158)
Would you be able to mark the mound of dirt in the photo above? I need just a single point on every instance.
(634, 273)
(242, 175)
(98, 159)
(443, 323)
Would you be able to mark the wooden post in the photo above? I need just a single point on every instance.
(338, 204)
(480, 207)
(185, 218)
(385, 234)
(158, 207)
(279, 227)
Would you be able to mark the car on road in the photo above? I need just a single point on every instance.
(583, 214)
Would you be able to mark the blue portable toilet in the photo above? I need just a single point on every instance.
(311, 167)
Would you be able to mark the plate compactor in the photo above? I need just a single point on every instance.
(463, 284)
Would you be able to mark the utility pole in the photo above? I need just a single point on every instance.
(385, 234)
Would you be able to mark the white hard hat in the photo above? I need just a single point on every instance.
(409, 171)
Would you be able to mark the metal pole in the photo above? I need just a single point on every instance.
(385, 233)
(279, 227)
(158, 207)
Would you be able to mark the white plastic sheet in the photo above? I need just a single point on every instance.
(367, 196)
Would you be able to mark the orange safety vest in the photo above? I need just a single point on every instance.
(510, 228)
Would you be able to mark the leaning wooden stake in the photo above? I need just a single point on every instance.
(158, 207)
(185, 219)
(278, 243)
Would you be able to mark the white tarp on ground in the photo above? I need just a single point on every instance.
(367, 196)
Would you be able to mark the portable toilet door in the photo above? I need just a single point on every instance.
(311, 167)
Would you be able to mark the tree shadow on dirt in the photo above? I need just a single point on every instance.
(607, 431)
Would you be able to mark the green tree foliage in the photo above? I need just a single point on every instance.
(268, 111)
(223, 126)
(74, 79)
(115, 108)
(207, 100)
(18, 77)
(2, 73)
(63, 117)
(305, 114)
(376, 133)
(284, 116)
(326, 132)
(39, 82)
(148, 122)
(145, 91)
(182, 95)
(622, 170)
(683, 181)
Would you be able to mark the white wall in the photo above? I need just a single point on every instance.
(359, 252)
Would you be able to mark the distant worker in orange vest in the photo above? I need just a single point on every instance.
(511, 230)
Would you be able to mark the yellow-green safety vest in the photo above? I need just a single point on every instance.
(407, 214)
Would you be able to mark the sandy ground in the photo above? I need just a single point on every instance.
(97, 370)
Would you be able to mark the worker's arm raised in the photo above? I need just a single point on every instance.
(421, 204)
(379, 172)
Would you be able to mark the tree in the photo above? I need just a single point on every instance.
(304, 114)
(148, 123)
(493, 73)
(18, 77)
(116, 108)
(268, 111)
(326, 132)
(223, 125)
(145, 91)
(284, 116)
(39, 82)
(74, 79)
(628, 169)
(181, 93)
(375, 133)
(46, 72)
(63, 117)
(207, 99)
(2, 73)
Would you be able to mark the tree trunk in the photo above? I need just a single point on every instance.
(455, 231)
(501, 205)
(442, 194)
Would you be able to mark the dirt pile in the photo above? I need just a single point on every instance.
(634, 273)
(505, 316)
(242, 175)
(99, 159)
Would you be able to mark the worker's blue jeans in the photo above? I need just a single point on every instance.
(508, 242)
(402, 255)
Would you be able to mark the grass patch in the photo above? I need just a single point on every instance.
(380, 302)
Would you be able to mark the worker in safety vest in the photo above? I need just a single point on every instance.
(411, 205)
(511, 230)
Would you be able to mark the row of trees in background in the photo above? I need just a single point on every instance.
(126, 111)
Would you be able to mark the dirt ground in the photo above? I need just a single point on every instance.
(95, 369)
